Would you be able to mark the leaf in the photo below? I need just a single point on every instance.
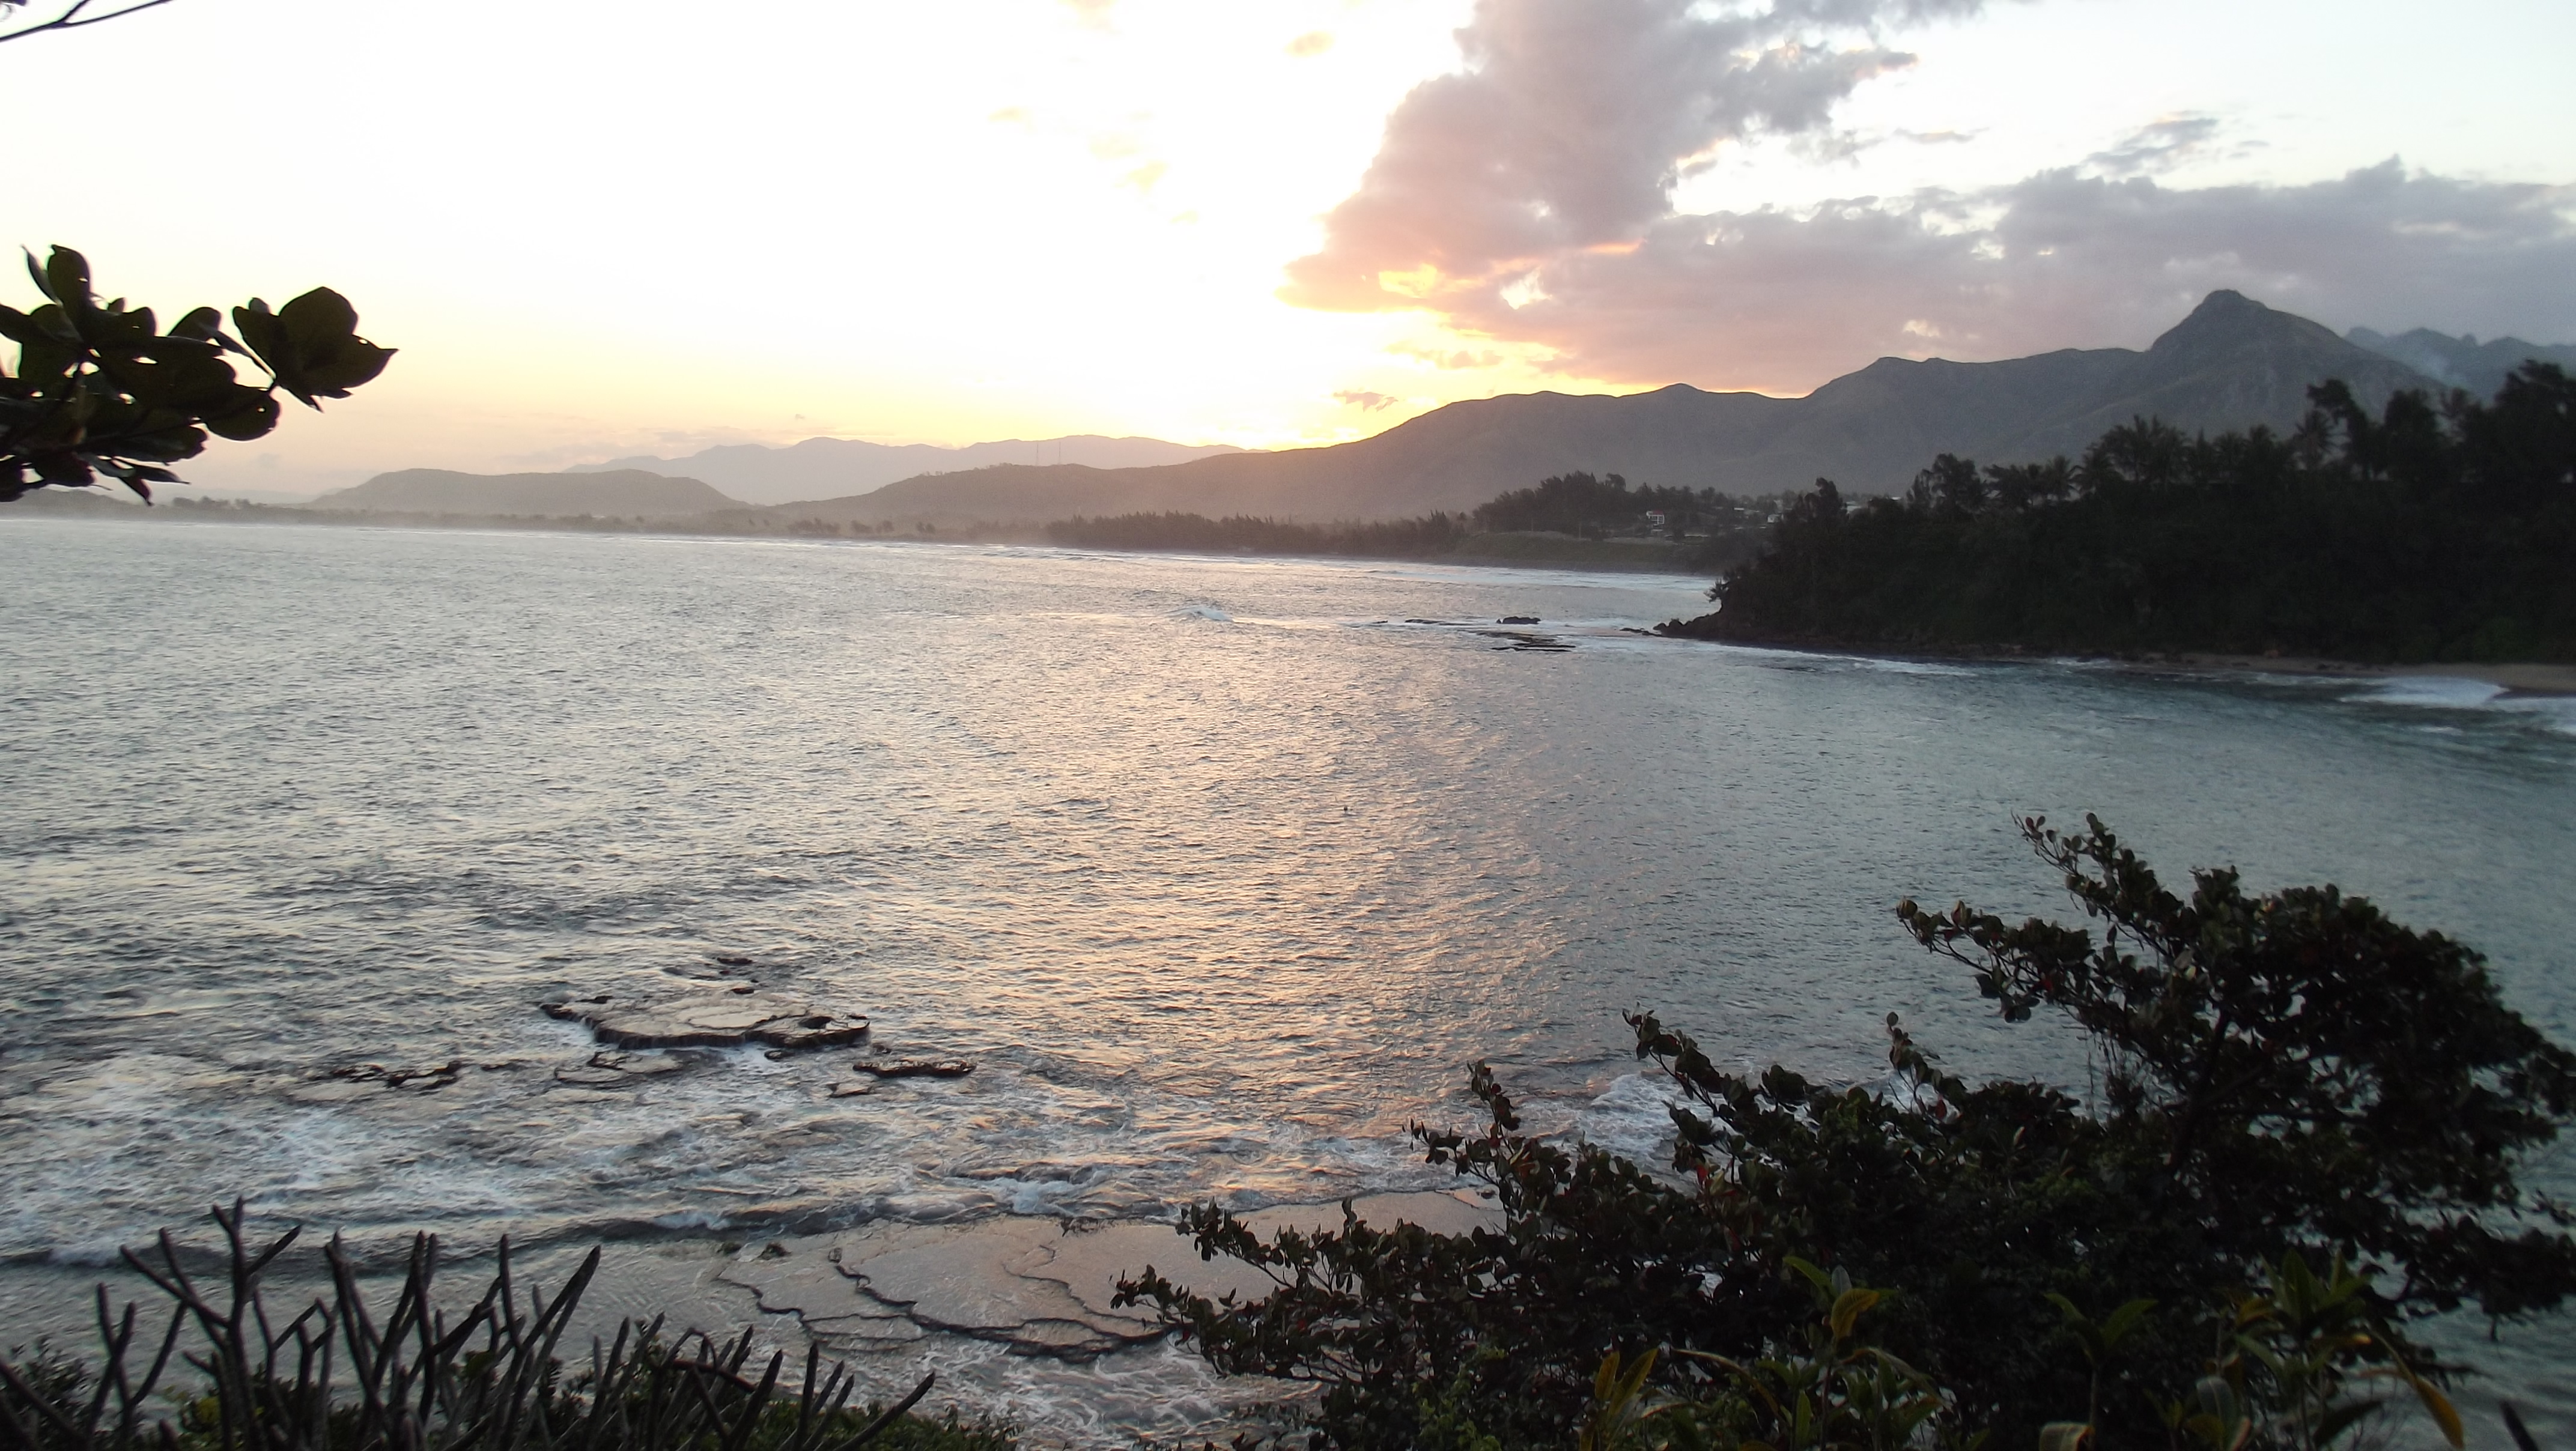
(202, 324)
(2436, 1404)
(1848, 1307)
(329, 358)
(1823, 1282)
(253, 419)
(1606, 1377)
(2065, 1435)
(2116, 1327)
(65, 278)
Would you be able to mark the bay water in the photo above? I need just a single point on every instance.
(1221, 871)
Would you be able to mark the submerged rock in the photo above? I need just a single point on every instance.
(419, 1080)
(917, 1068)
(717, 1020)
(616, 1070)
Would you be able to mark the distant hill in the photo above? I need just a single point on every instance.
(2231, 364)
(628, 493)
(826, 468)
(2462, 362)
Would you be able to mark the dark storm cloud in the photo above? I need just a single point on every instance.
(1570, 126)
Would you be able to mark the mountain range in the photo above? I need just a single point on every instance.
(2233, 363)
(624, 494)
(2462, 362)
(828, 468)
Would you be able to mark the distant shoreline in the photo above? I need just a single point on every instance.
(1486, 551)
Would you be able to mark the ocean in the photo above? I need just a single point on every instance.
(1221, 871)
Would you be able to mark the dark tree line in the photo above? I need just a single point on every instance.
(1722, 531)
(1430, 534)
(1596, 507)
(2435, 530)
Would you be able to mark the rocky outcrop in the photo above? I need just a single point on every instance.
(915, 1067)
(743, 1015)
(616, 1070)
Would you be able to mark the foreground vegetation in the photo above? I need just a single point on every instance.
(2305, 1138)
(100, 392)
(421, 1374)
(2429, 532)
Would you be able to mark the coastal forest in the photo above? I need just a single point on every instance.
(1706, 530)
(2433, 530)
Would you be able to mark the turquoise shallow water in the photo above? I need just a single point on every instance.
(1221, 870)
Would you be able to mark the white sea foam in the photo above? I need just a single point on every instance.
(1632, 1118)
(2445, 692)
(2555, 713)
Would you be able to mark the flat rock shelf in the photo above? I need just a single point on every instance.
(1040, 1286)
(728, 1019)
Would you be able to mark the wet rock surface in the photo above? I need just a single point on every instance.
(728, 1019)
(1039, 1286)
(612, 1069)
(915, 1067)
(353, 1081)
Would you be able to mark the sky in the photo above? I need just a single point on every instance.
(598, 229)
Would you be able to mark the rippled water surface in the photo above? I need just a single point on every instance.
(1221, 870)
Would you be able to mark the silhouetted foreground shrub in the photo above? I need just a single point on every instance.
(335, 1378)
(2306, 1134)
(2432, 532)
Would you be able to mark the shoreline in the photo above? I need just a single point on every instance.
(2513, 677)
(1494, 551)
(2526, 678)
(1016, 1313)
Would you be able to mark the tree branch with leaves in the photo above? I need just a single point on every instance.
(98, 389)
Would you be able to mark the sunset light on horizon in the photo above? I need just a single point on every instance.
(594, 231)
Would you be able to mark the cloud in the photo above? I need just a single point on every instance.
(1570, 126)
(1448, 359)
(1313, 42)
(1527, 200)
(2160, 145)
(1785, 299)
(1366, 401)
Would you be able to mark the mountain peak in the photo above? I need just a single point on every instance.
(2228, 318)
